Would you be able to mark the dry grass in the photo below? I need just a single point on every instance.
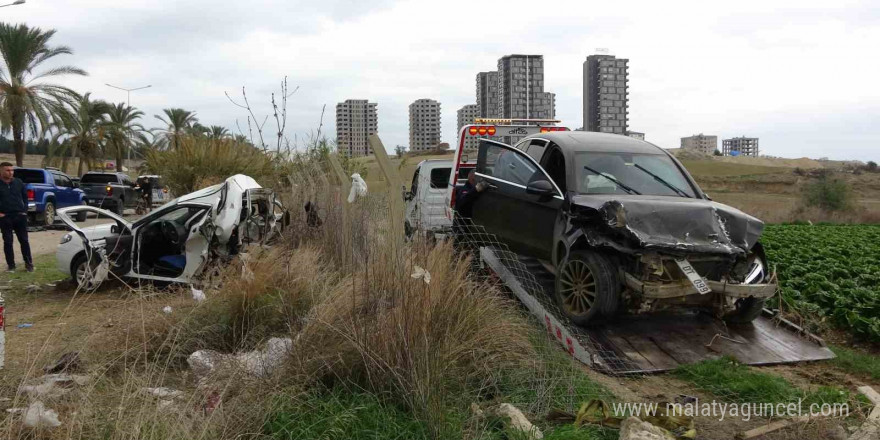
(343, 292)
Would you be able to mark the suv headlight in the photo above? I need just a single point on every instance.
(66, 238)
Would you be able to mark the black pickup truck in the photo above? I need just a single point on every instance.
(114, 191)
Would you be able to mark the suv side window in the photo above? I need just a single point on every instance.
(62, 180)
(536, 149)
(505, 164)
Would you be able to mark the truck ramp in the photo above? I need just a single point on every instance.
(656, 342)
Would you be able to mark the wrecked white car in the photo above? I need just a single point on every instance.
(176, 242)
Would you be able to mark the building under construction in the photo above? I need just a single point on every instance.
(741, 146)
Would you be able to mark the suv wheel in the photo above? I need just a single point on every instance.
(47, 218)
(119, 208)
(587, 287)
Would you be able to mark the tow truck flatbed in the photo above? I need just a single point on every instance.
(651, 343)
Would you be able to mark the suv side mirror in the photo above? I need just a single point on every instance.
(540, 187)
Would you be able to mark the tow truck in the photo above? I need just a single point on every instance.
(632, 343)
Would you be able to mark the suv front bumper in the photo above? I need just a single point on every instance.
(657, 290)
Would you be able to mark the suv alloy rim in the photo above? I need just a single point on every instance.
(578, 287)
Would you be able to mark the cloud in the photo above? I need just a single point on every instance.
(801, 76)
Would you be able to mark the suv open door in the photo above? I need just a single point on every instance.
(518, 189)
(507, 131)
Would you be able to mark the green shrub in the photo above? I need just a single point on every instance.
(199, 161)
(828, 193)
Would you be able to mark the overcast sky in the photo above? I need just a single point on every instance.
(801, 75)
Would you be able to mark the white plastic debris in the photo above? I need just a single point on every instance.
(53, 385)
(358, 188)
(167, 310)
(38, 416)
(163, 393)
(259, 363)
(198, 295)
(421, 273)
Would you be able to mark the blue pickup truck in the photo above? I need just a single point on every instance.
(48, 190)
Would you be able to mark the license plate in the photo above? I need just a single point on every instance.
(695, 278)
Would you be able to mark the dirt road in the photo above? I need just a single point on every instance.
(45, 242)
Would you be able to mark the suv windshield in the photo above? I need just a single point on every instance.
(99, 178)
(648, 174)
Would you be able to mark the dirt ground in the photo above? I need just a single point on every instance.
(46, 241)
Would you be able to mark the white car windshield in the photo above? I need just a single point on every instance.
(629, 173)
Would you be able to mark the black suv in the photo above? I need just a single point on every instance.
(623, 226)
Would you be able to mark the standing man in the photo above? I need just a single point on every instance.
(13, 217)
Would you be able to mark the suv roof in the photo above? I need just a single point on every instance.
(593, 141)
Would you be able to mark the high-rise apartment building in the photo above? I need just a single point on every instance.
(424, 124)
(700, 142)
(466, 115)
(741, 146)
(606, 93)
(550, 100)
(521, 88)
(356, 120)
(487, 94)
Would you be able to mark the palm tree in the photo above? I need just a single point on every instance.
(178, 121)
(218, 132)
(25, 104)
(122, 130)
(86, 129)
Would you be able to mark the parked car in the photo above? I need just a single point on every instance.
(622, 225)
(426, 199)
(176, 242)
(114, 191)
(48, 190)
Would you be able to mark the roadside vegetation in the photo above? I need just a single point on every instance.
(829, 273)
(725, 377)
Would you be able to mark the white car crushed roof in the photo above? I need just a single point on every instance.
(175, 242)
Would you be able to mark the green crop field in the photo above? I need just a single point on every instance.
(830, 271)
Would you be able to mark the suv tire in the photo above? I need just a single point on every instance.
(119, 208)
(47, 217)
(587, 287)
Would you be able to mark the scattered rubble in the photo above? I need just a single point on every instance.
(633, 428)
(38, 416)
(258, 363)
(516, 419)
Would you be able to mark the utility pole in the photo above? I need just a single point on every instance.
(128, 103)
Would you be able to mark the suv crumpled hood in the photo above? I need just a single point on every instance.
(674, 224)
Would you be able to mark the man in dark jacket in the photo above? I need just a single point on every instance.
(13, 217)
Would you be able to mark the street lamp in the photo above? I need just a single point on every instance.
(16, 2)
(127, 98)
